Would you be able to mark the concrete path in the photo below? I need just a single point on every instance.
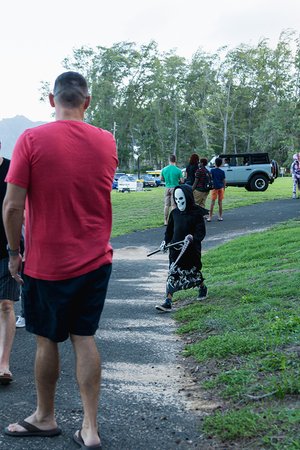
(148, 400)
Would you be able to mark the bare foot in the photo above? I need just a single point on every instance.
(89, 439)
(42, 425)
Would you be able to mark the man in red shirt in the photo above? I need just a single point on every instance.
(63, 171)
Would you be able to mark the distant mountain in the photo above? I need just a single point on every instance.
(10, 130)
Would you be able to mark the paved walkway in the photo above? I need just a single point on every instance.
(144, 403)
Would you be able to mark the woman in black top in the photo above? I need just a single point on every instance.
(191, 169)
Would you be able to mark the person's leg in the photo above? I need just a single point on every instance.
(88, 372)
(200, 198)
(167, 205)
(211, 209)
(220, 200)
(20, 320)
(294, 186)
(204, 197)
(46, 376)
(167, 305)
(7, 333)
(220, 208)
(202, 291)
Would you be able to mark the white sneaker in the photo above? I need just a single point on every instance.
(20, 323)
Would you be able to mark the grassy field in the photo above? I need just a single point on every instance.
(246, 340)
(141, 210)
(245, 336)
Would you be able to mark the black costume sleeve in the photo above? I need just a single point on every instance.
(170, 229)
(200, 232)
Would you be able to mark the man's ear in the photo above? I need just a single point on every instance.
(87, 102)
(51, 100)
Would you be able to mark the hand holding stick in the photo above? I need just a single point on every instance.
(187, 240)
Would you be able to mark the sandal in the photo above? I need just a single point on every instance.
(6, 377)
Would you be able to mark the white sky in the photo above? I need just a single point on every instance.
(36, 35)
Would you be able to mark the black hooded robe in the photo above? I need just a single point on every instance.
(187, 272)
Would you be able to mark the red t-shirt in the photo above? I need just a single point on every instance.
(67, 168)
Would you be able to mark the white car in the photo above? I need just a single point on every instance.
(253, 171)
(127, 183)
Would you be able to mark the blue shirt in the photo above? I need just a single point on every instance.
(218, 176)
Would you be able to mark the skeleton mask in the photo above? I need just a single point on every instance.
(180, 199)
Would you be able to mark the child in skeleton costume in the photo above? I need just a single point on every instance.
(295, 170)
(186, 223)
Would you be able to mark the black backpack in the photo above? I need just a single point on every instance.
(208, 183)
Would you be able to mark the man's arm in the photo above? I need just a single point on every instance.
(195, 182)
(180, 177)
(13, 213)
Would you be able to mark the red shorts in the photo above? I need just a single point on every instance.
(217, 194)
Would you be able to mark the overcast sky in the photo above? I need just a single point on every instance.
(36, 35)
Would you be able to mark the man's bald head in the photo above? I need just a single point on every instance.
(70, 89)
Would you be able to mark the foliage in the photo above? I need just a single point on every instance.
(241, 99)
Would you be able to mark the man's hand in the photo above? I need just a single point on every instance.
(15, 267)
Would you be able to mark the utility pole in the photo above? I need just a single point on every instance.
(136, 155)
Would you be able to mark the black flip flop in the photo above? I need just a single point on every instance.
(5, 378)
(78, 439)
(32, 430)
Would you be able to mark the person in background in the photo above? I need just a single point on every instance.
(191, 169)
(172, 176)
(295, 171)
(9, 290)
(186, 219)
(20, 320)
(219, 183)
(200, 187)
(68, 255)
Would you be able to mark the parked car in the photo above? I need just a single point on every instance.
(253, 171)
(127, 183)
(136, 177)
(116, 179)
(156, 175)
(148, 181)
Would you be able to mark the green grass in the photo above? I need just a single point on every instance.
(278, 426)
(246, 336)
(141, 210)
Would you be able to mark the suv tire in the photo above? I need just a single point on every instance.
(259, 183)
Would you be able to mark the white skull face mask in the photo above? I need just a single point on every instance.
(180, 199)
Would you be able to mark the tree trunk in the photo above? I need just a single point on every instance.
(176, 131)
(226, 119)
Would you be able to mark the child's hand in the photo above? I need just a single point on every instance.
(162, 247)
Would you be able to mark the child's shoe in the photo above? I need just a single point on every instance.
(202, 293)
(165, 307)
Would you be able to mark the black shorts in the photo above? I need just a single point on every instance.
(56, 309)
(9, 288)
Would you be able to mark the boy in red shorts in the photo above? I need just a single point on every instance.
(219, 183)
